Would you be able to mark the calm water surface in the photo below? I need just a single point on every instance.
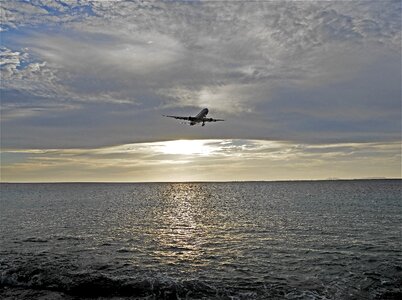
(278, 240)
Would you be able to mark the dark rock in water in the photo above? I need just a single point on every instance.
(196, 289)
(390, 295)
(13, 293)
(135, 288)
(93, 286)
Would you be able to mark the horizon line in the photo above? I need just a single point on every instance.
(199, 181)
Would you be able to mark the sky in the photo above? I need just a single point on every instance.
(309, 90)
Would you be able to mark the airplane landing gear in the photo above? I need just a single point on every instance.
(203, 124)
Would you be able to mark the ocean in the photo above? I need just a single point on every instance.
(237, 240)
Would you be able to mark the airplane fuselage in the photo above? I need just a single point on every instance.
(199, 117)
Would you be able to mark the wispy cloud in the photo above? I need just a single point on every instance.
(203, 160)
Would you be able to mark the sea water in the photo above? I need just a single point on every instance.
(248, 240)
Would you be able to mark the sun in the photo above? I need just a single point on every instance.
(186, 147)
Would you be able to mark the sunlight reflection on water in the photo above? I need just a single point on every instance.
(180, 231)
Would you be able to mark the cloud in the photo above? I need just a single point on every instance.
(117, 51)
(203, 160)
(305, 71)
(32, 13)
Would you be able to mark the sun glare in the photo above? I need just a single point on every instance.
(186, 147)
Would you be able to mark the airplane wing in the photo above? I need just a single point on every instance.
(179, 118)
(212, 120)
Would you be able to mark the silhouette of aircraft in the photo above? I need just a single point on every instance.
(199, 118)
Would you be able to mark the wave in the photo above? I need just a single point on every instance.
(35, 240)
(69, 238)
(92, 284)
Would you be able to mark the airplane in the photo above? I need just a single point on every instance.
(200, 118)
